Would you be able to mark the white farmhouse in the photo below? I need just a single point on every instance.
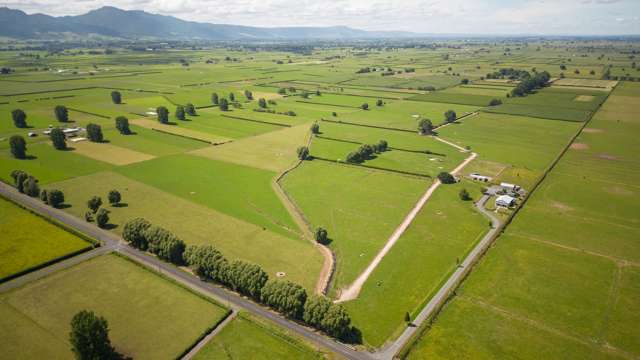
(478, 177)
(505, 201)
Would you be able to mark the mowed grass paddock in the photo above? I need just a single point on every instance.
(248, 337)
(28, 240)
(197, 224)
(142, 308)
(360, 208)
(235, 190)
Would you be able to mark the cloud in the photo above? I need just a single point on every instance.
(427, 16)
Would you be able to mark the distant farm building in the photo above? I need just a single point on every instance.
(68, 132)
(505, 201)
(510, 187)
(478, 177)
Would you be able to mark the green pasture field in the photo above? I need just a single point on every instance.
(355, 206)
(444, 230)
(235, 190)
(567, 267)
(539, 111)
(248, 337)
(196, 224)
(394, 160)
(525, 143)
(142, 308)
(404, 81)
(273, 151)
(29, 240)
(48, 164)
(151, 142)
(404, 115)
(454, 98)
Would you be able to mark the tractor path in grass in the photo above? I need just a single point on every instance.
(208, 338)
(352, 292)
(111, 242)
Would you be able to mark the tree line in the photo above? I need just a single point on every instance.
(248, 279)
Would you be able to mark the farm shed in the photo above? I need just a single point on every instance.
(505, 201)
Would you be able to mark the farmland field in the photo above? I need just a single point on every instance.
(29, 241)
(567, 264)
(248, 337)
(130, 297)
(256, 168)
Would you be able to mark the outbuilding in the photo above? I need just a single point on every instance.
(505, 201)
(510, 187)
(478, 177)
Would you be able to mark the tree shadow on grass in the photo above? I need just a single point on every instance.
(63, 206)
(110, 226)
(120, 205)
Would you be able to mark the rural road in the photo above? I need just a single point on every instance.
(112, 242)
(388, 351)
(352, 292)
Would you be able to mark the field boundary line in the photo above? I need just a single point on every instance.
(254, 120)
(369, 126)
(344, 163)
(206, 337)
(329, 263)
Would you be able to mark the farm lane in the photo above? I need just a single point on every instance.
(389, 351)
(208, 338)
(112, 242)
(352, 292)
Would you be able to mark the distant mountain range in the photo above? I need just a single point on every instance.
(117, 23)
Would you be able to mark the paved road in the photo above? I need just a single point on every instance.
(112, 242)
(389, 351)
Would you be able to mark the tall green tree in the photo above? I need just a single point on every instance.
(19, 118)
(450, 116)
(315, 309)
(89, 337)
(232, 97)
(165, 244)
(102, 217)
(190, 109)
(285, 297)
(133, 232)
(163, 114)
(248, 94)
(116, 97)
(114, 197)
(19, 177)
(30, 186)
(246, 278)
(321, 235)
(55, 198)
(62, 113)
(224, 104)
(303, 153)
(94, 133)
(18, 147)
(215, 99)
(425, 127)
(207, 262)
(94, 203)
(337, 322)
(364, 106)
(58, 139)
(180, 115)
(262, 103)
(122, 124)
(315, 128)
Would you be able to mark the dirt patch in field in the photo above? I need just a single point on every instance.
(579, 146)
(179, 131)
(584, 98)
(617, 190)
(593, 131)
(560, 206)
(607, 157)
(266, 95)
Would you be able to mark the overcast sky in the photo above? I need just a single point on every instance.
(560, 17)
